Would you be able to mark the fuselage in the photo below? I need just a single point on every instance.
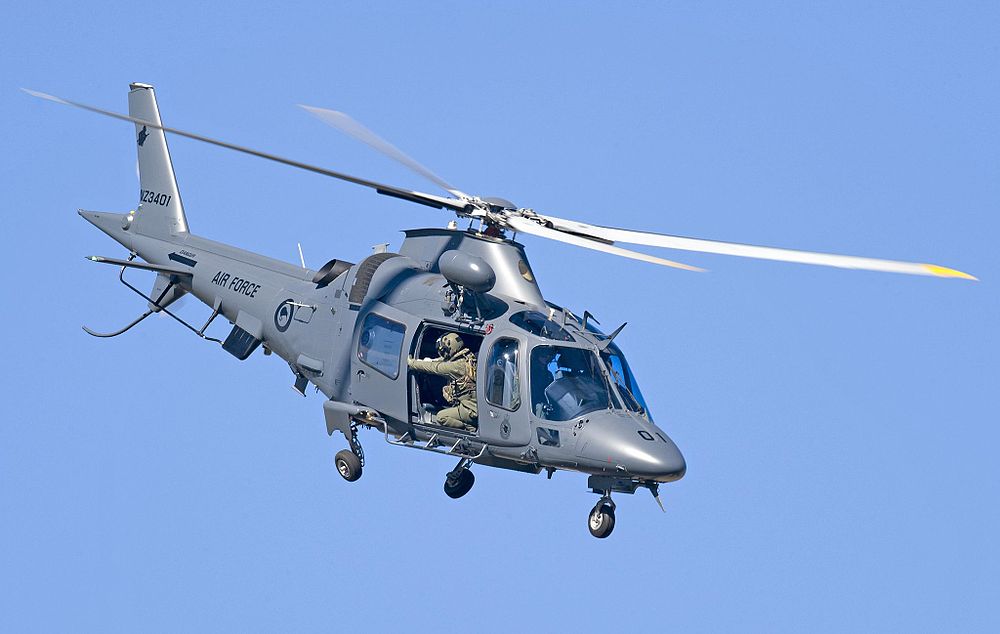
(552, 392)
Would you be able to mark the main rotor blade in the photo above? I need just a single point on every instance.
(524, 225)
(751, 251)
(430, 200)
(351, 127)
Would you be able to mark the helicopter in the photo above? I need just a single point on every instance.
(547, 388)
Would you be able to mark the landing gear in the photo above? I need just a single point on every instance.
(602, 518)
(350, 462)
(459, 480)
(348, 465)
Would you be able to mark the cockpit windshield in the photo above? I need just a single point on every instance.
(622, 375)
(566, 382)
(538, 324)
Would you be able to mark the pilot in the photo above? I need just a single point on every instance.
(541, 376)
(458, 364)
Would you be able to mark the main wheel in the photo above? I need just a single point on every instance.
(601, 521)
(348, 465)
(460, 486)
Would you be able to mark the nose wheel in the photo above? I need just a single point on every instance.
(601, 520)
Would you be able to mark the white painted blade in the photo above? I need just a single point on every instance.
(524, 225)
(353, 128)
(751, 251)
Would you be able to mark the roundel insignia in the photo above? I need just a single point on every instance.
(283, 315)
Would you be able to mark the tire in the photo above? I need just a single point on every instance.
(601, 521)
(348, 465)
(461, 487)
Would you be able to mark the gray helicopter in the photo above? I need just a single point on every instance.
(537, 387)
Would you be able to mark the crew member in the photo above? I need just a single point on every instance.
(458, 364)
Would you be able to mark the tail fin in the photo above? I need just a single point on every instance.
(160, 212)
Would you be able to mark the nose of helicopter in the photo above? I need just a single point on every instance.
(641, 448)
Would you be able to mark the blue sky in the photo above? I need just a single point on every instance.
(840, 427)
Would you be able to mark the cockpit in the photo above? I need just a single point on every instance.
(624, 380)
(567, 382)
(621, 374)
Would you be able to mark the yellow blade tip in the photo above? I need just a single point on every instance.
(943, 271)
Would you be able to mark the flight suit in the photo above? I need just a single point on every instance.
(460, 392)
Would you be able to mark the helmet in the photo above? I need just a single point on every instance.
(449, 344)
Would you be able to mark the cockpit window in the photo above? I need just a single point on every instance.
(503, 388)
(380, 344)
(566, 382)
(622, 375)
(538, 324)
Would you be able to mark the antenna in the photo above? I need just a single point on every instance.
(301, 257)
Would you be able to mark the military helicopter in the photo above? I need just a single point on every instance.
(548, 389)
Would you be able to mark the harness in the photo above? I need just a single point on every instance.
(466, 384)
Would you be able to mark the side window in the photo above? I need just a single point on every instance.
(503, 387)
(381, 343)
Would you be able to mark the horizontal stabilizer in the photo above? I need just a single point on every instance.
(159, 268)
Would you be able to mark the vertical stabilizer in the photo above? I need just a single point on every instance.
(160, 211)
